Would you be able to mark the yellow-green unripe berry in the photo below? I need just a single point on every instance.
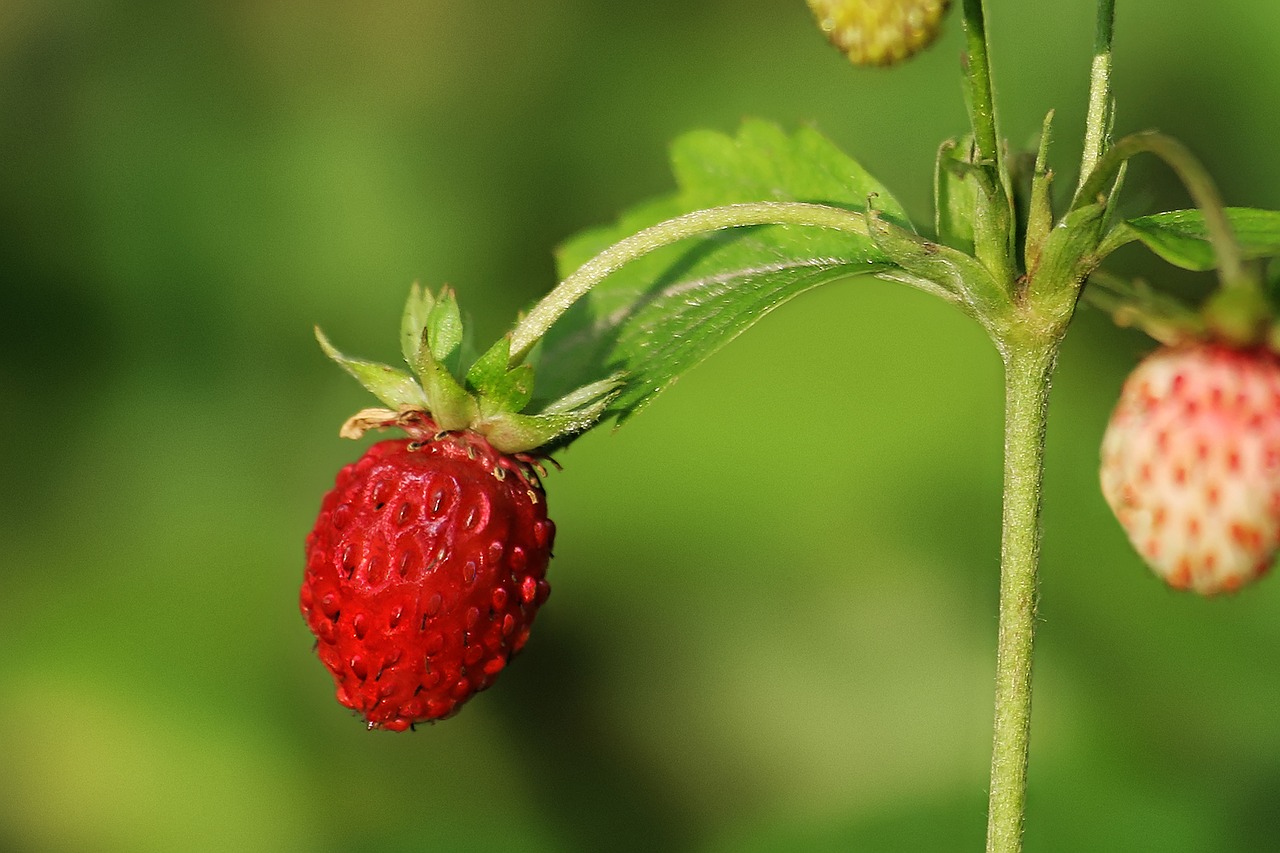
(879, 32)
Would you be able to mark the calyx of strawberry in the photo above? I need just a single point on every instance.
(489, 398)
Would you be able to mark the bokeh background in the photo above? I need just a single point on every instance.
(773, 617)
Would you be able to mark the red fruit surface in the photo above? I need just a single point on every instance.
(425, 570)
(1191, 464)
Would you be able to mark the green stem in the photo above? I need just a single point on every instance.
(978, 72)
(531, 329)
(1101, 105)
(993, 226)
(1027, 371)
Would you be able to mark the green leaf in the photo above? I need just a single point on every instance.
(664, 313)
(1180, 236)
(679, 327)
(395, 388)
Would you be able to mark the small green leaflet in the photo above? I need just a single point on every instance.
(666, 312)
(1180, 236)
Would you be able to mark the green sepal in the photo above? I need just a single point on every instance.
(490, 401)
(444, 326)
(488, 371)
(521, 433)
(1068, 257)
(433, 321)
(1040, 202)
(393, 387)
(414, 322)
(588, 396)
(955, 192)
(957, 276)
(500, 389)
(993, 237)
(1113, 197)
(1181, 238)
(447, 401)
(554, 425)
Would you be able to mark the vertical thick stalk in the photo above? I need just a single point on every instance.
(1027, 371)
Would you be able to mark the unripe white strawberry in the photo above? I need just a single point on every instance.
(1191, 464)
(880, 32)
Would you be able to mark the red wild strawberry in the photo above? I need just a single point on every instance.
(1191, 464)
(427, 564)
(424, 572)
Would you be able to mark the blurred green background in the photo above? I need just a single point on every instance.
(773, 617)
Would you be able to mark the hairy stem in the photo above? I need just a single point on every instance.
(1027, 371)
(1098, 123)
(531, 329)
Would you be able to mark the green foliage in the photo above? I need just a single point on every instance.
(666, 312)
(1181, 238)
